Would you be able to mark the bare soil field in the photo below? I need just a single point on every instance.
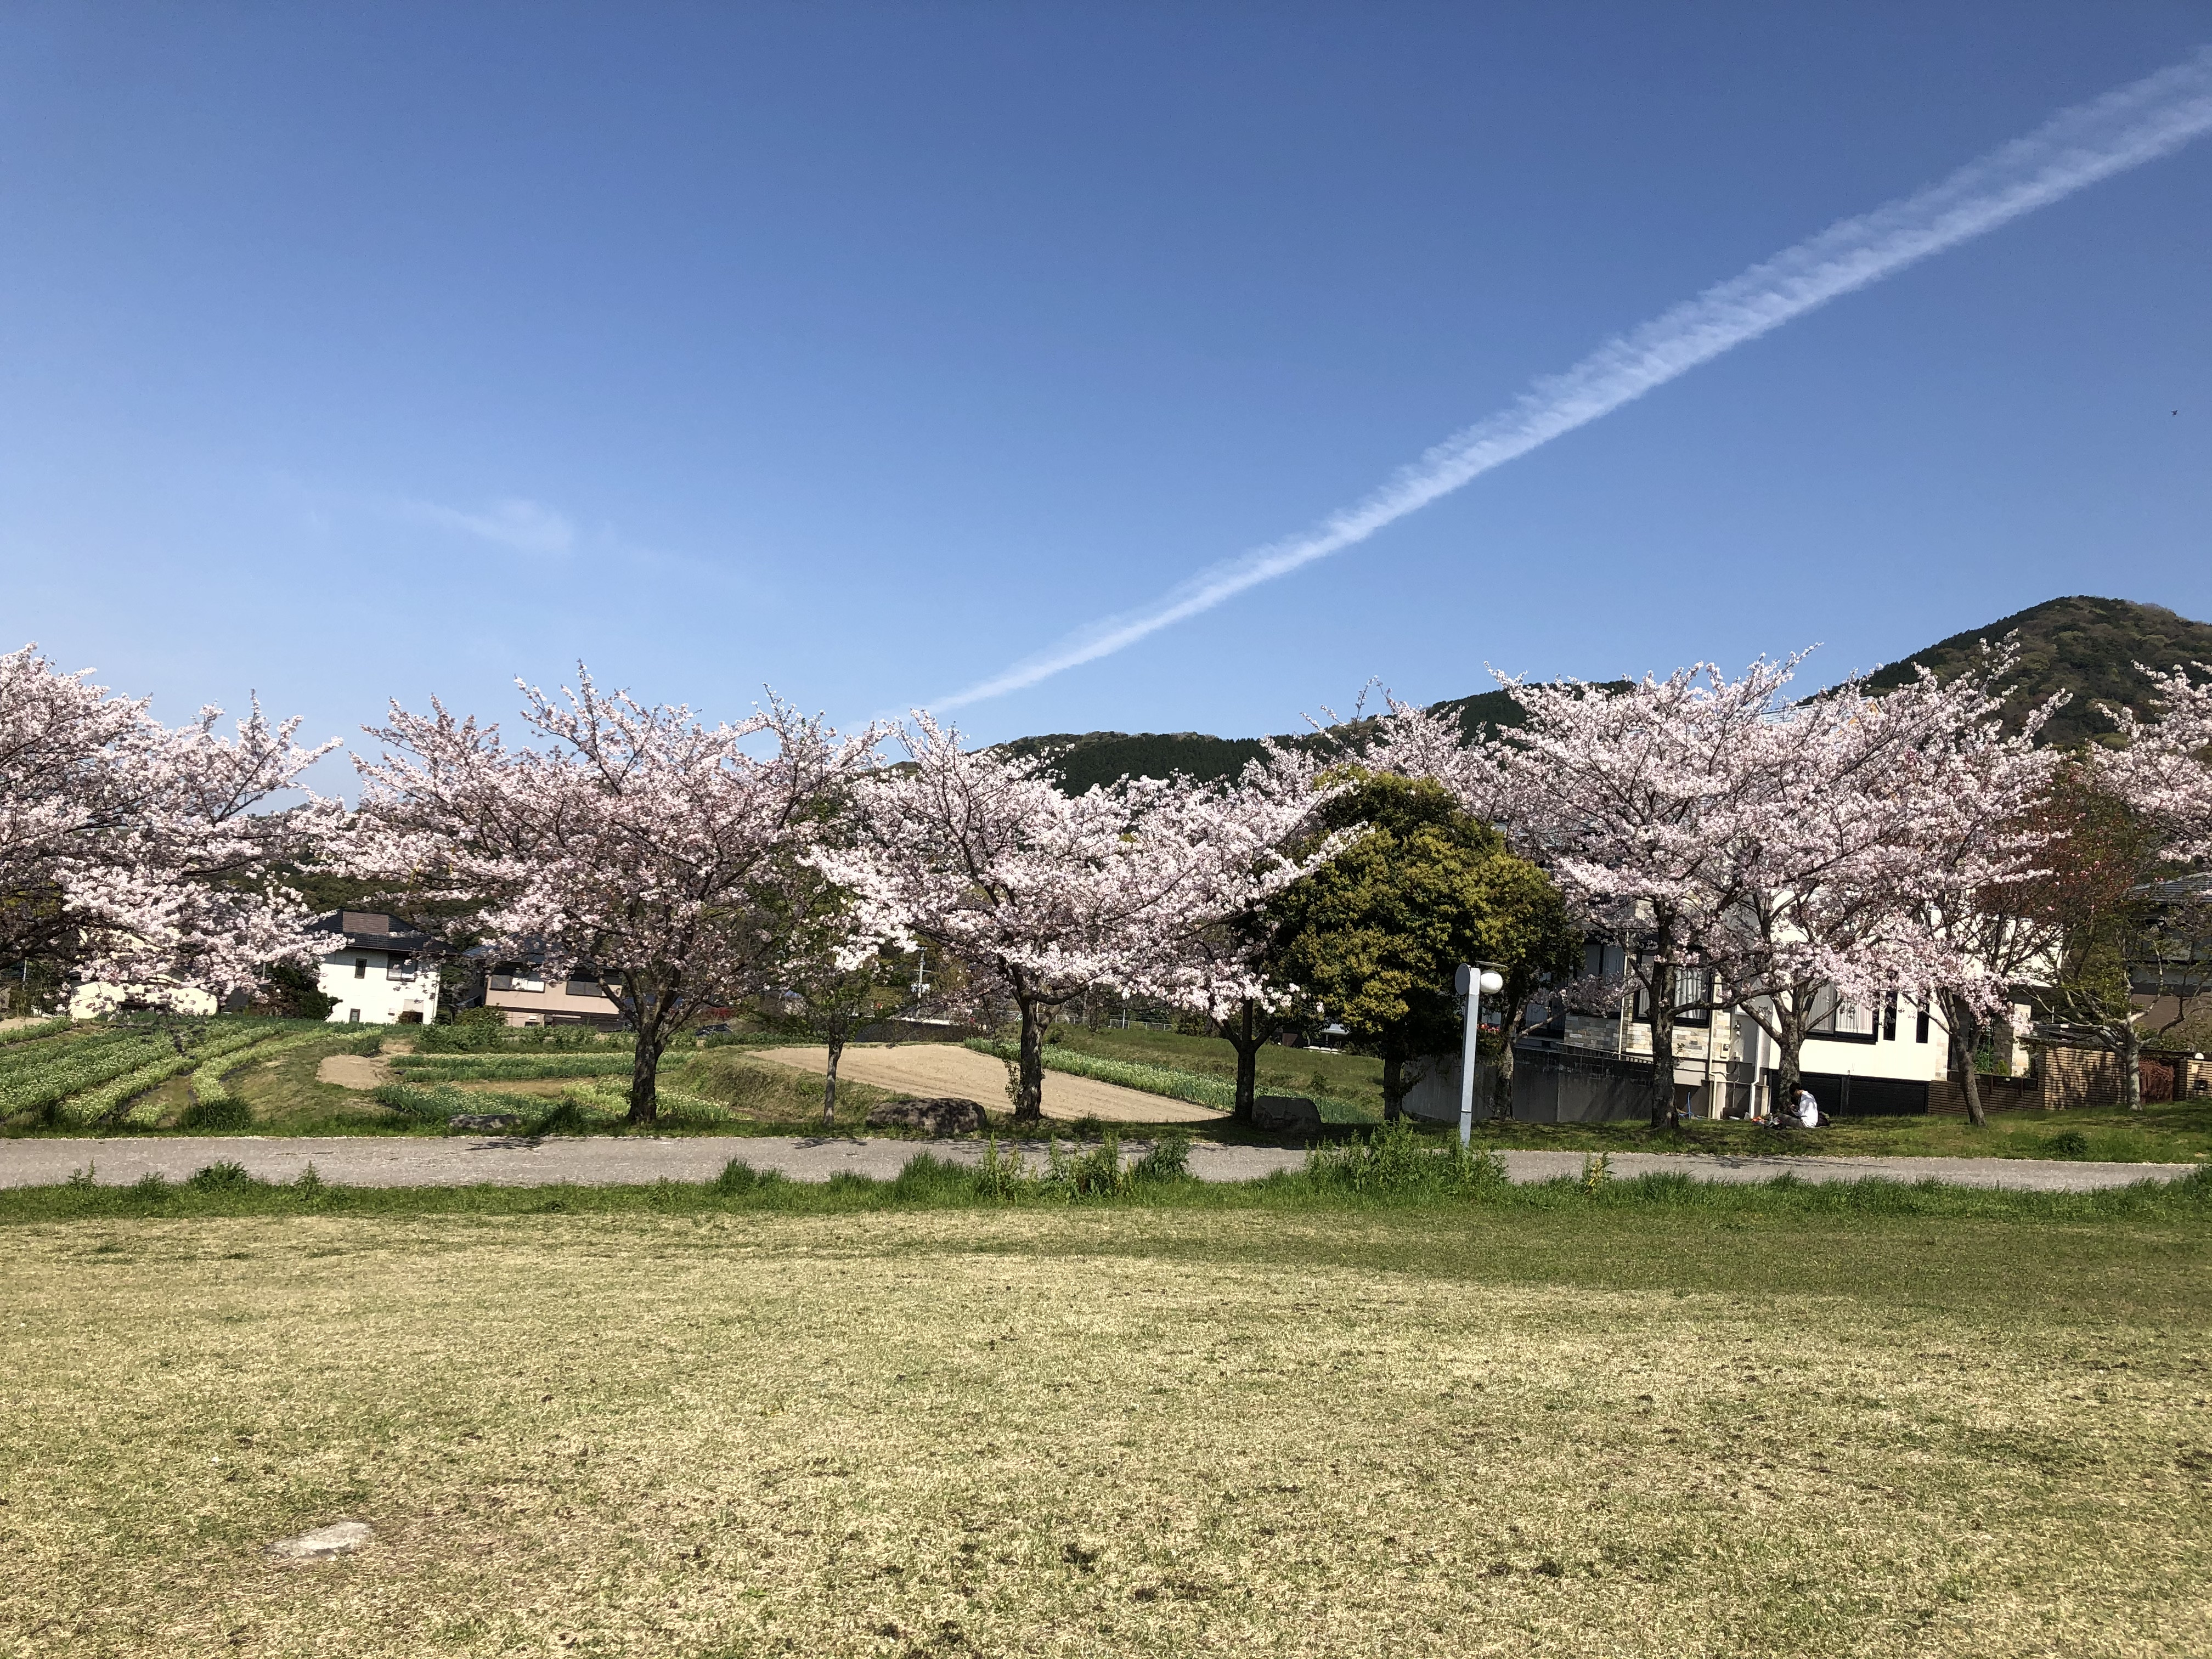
(945, 1068)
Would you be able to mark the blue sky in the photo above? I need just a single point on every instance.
(863, 350)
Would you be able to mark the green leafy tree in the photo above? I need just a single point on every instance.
(1374, 935)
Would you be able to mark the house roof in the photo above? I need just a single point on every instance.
(372, 930)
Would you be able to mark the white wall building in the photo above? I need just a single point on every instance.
(377, 970)
(96, 998)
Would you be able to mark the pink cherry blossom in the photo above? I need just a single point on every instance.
(143, 855)
(632, 838)
(1042, 894)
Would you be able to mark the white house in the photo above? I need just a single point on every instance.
(378, 970)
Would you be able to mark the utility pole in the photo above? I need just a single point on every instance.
(1471, 980)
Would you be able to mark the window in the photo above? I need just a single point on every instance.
(353, 1016)
(1889, 1017)
(1693, 990)
(361, 967)
(1920, 1021)
(1835, 1020)
(582, 988)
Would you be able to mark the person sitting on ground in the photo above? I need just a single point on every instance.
(1808, 1109)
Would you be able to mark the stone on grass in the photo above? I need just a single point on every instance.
(946, 1116)
(339, 1538)
(479, 1121)
(1286, 1115)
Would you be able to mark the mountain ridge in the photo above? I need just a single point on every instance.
(2078, 643)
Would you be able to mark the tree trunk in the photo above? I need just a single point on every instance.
(652, 1019)
(2130, 1055)
(1501, 1070)
(1028, 1087)
(1245, 1037)
(830, 1079)
(1790, 1049)
(1662, 1032)
(1966, 1043)
(1394, 1086)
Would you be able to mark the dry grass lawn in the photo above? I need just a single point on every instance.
(1086, 1431)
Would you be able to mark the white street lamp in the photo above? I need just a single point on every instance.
(1471, 982)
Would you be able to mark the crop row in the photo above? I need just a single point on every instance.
(486, 1069)
(79, 1067)
(20, 1064)
(46, 1028)
(90, 1105)
(584, 1108)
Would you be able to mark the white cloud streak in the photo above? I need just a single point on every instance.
(526, 526)
(2075, 148)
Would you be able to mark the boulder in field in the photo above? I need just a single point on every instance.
(946, 1116)
(483, 1122)
(1286, 1115)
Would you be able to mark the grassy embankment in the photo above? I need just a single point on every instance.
(1291, 1418)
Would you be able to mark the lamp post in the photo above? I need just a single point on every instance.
(1471, 980)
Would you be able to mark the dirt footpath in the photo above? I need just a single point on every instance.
(945, 1069)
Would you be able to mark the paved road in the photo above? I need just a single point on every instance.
(458, 1161)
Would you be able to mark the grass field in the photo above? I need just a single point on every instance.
(1753, 1423)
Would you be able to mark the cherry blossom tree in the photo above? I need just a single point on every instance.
(633, 838)
(2128, 886)
(146, 855)
(1855, 868)
(1987, 830)
(1624, 795)
(1780, 856)
(2163, 766)
(1041, 895)
(1263, 833)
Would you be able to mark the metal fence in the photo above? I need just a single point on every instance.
(1550, 1085)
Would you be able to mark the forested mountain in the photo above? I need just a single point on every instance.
(2085, 646)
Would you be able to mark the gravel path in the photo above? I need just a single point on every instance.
(369, 1161)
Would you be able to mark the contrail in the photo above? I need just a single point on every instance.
(2076, 147)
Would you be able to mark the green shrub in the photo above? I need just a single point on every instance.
(2069, 1143)
(739, 1177)
(572, 1116)
(221, 1175)
(1169, 1159)
(222, 1111)
(1397, 1159)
